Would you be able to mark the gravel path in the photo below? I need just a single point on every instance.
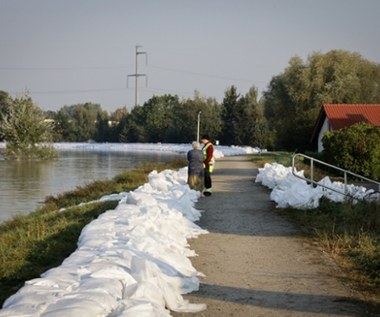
(255, 262)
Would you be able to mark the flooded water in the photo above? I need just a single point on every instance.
(23, 185)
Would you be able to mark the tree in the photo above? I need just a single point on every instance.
(132, 128)
(168, 119)
(294, 98)
(355, 148)
(186, 119)
(230, 116)
(288, 109)
(243, 119)
(116, 124)
(77, 123)
(102, 127)
(64, 128)
(211, 120)
(5, 104)
(251, 126)
(159, 116)
(26, 132)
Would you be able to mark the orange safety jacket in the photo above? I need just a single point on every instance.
(208, 154)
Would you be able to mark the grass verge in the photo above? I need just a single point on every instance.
(349, 232)
(32, 244)
(284, 158)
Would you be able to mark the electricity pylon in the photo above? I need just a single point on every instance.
(137, 75)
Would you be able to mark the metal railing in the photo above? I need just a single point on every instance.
(345, 174)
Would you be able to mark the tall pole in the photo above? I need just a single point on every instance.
(137, 77)
(198, 124)
(136, 74)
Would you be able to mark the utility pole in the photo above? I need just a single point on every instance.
(198, 124)
(137, 75)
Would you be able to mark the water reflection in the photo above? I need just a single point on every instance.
(24, 184)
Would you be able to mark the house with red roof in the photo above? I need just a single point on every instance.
(333, 117)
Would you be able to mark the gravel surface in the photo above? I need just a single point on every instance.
(255, 262)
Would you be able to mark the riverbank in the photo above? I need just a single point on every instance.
(32, 244)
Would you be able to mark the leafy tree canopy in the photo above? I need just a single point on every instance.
(243, 122)
(25, 130)
(77, 123)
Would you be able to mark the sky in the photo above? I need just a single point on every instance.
(77, 51)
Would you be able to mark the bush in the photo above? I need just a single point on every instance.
(356, 148)
(25, 131)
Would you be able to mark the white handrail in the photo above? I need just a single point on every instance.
(345, 172)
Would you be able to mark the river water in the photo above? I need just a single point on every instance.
(24, 185)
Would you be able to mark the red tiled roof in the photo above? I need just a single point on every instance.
(345, 115)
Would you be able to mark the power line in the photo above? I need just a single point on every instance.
(201, 74)
(27, 68)
(153, 89)
(15, 68)
(71, 91)
(78, 91)
(136, 75)
(101, 90)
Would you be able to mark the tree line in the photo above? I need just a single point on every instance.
(165, 118)
(282, 119)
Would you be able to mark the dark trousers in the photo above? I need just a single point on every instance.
(207, 177)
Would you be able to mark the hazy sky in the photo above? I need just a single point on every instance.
(74, 51)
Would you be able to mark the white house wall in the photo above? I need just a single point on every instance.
(325, 128)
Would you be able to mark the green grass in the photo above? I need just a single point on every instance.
(349, 232)
(284, 158)
(32, 244)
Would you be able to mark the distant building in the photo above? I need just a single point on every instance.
(333, 117)
(112, 123)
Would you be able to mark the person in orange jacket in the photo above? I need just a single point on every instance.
(208, 155)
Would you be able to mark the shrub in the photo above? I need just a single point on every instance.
(27, 134)
(356, 148)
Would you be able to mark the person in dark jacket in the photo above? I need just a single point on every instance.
(195, 167)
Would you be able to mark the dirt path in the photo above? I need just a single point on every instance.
(255, 262)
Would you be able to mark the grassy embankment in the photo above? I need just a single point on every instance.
(32, 244)
(349, 232)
